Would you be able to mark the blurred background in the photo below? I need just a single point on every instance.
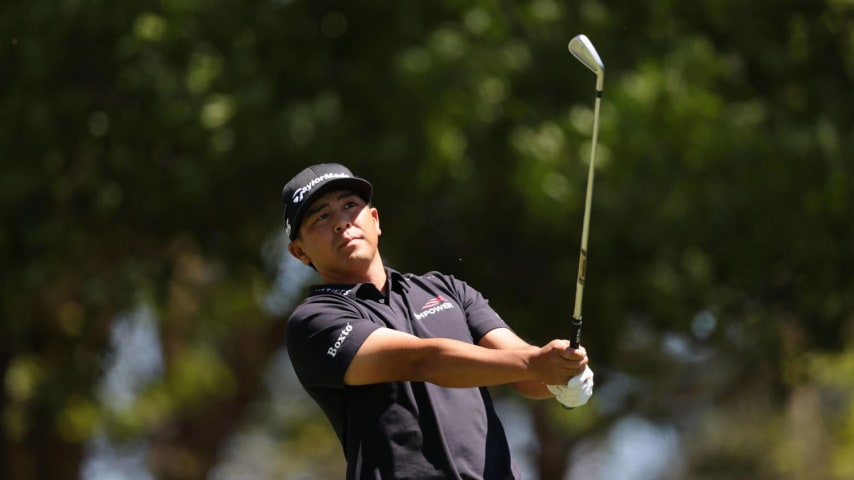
(145, 281)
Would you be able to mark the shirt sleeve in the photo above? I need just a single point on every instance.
(322, 338)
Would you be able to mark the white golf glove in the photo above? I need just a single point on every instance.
(577, 391)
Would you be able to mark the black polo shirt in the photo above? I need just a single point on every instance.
(400, 430)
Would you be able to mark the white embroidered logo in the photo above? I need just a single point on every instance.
(333, 350)
(300, 193)
(433, 306)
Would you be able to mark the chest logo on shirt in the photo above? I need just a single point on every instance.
(433, 306)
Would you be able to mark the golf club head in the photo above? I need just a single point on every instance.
(582, 48)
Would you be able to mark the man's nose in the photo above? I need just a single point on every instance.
(341, 224)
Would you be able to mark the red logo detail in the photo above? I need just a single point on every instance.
(432, 303)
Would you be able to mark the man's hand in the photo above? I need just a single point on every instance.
(577, 391)
(557, 362)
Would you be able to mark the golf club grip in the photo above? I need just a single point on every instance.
(575, 333)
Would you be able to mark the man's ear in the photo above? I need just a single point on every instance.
(376, 214)
(296, 250)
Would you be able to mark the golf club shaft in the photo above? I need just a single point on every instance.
(575, 333)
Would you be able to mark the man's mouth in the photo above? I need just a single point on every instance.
(348, 242)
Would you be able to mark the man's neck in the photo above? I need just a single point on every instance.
(375, 274)
(378, 276)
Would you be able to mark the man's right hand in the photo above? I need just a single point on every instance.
(557, 362)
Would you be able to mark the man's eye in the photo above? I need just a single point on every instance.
(350, 204)
(320, 216)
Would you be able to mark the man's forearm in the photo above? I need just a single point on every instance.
(451, 363)
(391, 356)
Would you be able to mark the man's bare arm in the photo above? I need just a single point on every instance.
(388, 355)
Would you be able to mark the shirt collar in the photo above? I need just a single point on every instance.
(396, 280)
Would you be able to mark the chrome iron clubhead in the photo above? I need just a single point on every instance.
(582, 48)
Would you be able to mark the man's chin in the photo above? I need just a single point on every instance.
(357, 258)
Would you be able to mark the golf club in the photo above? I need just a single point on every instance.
(581, 48)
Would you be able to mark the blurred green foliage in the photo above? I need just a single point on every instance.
(145, 144)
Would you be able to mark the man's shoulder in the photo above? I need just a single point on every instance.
(431, 276)
(434, 277)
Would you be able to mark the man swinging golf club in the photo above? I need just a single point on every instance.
(399, 363)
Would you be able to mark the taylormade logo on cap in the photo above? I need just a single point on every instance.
(299, 194)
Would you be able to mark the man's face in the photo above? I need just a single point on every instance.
(339, 234)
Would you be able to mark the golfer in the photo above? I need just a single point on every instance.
(398, 362)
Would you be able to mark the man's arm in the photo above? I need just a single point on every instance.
(389, 356)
